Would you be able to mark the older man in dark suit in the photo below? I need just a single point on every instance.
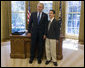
(36, 31)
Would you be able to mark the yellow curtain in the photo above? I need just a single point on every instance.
(9, 18)
(4, 20)
(63, 17)
(33, 5)
(81, 30)
(56, 8)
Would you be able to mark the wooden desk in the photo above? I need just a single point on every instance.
(20, 47)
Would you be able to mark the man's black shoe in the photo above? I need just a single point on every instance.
(39, 61)
(47, 62)
(55, 63)
(30, 61)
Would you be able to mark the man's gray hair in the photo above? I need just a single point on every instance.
(41, 4)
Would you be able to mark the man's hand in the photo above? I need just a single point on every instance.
(29, 34)
(44, 37)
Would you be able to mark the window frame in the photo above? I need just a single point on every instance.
(18, 12)
(70, 35)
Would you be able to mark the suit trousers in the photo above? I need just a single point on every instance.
(36, 44)
(50, 46)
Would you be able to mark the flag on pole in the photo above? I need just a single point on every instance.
(28, 13)
(61, 8)
(60, 14)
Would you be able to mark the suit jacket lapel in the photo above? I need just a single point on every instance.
(36, 17)
(52, 22)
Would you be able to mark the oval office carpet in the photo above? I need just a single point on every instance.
(73, 56)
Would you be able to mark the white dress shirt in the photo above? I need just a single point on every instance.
(38, 14)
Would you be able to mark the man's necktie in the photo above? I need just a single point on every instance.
(38, 18)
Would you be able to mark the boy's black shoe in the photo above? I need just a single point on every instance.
(47, 62)
(55, 63)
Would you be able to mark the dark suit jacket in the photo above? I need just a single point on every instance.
(33, 23)
(54, 30)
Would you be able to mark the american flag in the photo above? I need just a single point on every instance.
(28, 13)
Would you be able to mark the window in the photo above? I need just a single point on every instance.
(73, 17)
(18, 16)
(47, 6)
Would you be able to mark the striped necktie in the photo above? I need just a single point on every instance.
(39, 18)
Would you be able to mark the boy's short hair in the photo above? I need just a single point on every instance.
(53, 11)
